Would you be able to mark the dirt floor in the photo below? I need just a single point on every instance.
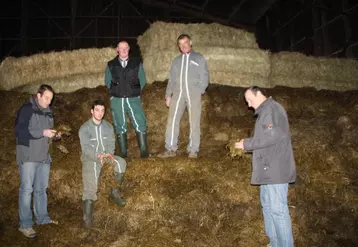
(206, 202)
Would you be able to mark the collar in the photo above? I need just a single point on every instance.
(262, 106)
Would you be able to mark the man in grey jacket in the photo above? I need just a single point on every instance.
(273, 164)
(98, 144)
(188, 80)
(33, 129)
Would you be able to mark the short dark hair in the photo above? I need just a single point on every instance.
(183, 36)
(98, 102)
(43, 88)
(255, 89)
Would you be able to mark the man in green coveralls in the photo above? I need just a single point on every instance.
(125, 79)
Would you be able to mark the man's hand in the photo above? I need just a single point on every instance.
(49, 133)
(239, 144)
(167, 100)
(103, 158)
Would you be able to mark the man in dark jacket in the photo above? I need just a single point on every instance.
(273, 164)
(33, 128)
(125, 79)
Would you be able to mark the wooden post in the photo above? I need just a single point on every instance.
(24, 24)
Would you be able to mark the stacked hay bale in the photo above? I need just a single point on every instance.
(67, 71)
(297, 70)
(233, 55)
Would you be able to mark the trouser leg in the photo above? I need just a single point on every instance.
(91, 172)
(176, 110)
(194, 110)
(40, 194)
(27, 175)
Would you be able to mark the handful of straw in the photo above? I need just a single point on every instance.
(64, 129)
(234, 152)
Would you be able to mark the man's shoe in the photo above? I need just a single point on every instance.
(167, 154)
(28, 232)
(193, 155)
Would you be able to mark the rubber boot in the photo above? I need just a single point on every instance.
(115, 197)
(88, 213)
(115, 194)
(142, 143)
(122, 141)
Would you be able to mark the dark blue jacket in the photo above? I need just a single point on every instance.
(31, 121)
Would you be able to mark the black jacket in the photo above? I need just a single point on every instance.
(273, 161)
(125, 82)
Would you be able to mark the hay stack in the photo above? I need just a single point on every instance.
(163, 36)
(298, 70)
(53, 67)
(227, 66)
(233, 55)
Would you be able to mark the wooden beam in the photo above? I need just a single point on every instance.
(196, 14)
(24, 24)
(235, 10)
(73, 23)
(138, 12)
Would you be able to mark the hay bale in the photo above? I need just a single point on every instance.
(227, 66)
(15, 72)
(163, 36)
(298, 70)
(66, 84)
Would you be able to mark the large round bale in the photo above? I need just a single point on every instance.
(298, 70)
(163, 36)
(227, 66)
(15, 72)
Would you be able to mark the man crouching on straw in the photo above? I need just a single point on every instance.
(98, 144)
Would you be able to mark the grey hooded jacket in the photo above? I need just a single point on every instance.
(31, 121)
(188, 71)
(273, 161)
(96, 139)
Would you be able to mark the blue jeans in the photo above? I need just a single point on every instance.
(34, 177)
(276, 215)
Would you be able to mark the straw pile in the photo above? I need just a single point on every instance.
(204, 202)
(298, 70)
(54, 66)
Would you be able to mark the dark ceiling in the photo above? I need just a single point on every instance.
(242, 13)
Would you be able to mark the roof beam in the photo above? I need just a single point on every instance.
(194, 13)
(235, 10)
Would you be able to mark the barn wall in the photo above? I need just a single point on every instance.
(313, 27)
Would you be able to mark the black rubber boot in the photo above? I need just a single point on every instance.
(88, 213)
(115, 196)
(122, 141)
(142, 143)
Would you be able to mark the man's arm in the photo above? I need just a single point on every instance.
(141, 76)
(272, 134)
(86, 147)
(171, 81)
(204, 75)
(22, 123)
(107, 77)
